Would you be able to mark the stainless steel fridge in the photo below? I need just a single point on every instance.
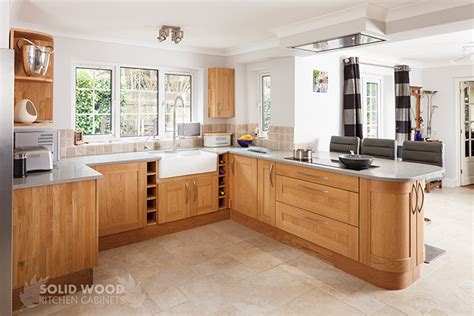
(6, 178)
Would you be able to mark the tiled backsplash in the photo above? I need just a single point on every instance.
(279, 138)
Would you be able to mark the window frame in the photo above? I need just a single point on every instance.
(119, 111)
(191, 105)
(261, 75)
(370, 78)
(115, 68)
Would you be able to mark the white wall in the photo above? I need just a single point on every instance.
(282, 71)
(318, 116)
(446, 119)
(4, 23)
(71, 50)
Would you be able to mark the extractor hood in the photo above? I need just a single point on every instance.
(352, 40)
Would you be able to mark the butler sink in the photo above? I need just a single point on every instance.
(186, 162)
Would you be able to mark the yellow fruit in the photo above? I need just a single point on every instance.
(246, 137)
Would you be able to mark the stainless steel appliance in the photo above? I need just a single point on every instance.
(6, 177)
(37, 158)
(39, 138)
(189, 129)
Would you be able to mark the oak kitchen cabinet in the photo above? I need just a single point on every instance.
(266, 190)
(187, 196)
(221, 92)
(122, 192)
(244, 187)
(54, 231)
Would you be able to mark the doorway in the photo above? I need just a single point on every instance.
(467, 132)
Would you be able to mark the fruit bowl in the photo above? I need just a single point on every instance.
(244, 143)
(356, 162)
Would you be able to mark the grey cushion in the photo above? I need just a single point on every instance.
(378, 147)
(344, 144)
(423, 152)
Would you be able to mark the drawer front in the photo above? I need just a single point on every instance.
(333, 235)
(331, 179)
(334, 203)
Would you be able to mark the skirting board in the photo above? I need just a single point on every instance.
(386, 280)
(153, 231)
(84, 277)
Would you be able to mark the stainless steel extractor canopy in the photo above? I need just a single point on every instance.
(352, 40)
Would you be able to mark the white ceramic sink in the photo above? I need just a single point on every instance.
(186, 162)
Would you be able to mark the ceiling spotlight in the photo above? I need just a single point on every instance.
(176, 33)
(177, 36)
(162, 35)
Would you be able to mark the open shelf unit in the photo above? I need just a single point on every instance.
(38, 89)
(151, 192)
(223, 186)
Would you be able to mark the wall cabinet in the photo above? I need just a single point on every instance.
(266, 190)
(245, 177)
(54, 231)
(184, 197)
(123, 194)
(221, 92)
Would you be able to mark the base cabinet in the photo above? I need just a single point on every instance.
(54, 231)
(122, 192)
(391, 225)
(244, 187)
(184, 197)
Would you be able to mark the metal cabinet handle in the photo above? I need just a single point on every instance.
(414, 191)
(318, 221)
(420, 188)
(195, 190)
(271, 175)
(313, 176)
(186, 185)
(233, 166)
(312, 189)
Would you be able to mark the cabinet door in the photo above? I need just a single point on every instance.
(420, 223)
(244, 197)
(266, 191)
(122, 197)
(54, 231)
(204, 195)
(226, 94)
(174, 200)
(221, 92)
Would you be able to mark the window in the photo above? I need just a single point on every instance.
(265, 101)
(119, 101)
(138, 102)
(177, 85)
(371, 106)
(94, 100)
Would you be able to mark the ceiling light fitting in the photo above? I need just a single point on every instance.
(176, 33)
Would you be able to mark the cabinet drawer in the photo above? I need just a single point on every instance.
(333, 235)
(331, 179)
(334, 203)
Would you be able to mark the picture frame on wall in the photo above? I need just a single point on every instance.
(320, 81)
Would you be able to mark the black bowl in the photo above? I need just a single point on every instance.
(244, 143)
(356, 162)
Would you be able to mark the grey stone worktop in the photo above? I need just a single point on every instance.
(77, 168)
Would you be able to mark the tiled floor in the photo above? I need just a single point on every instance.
(226, 269)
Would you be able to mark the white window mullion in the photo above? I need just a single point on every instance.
(116, 102)
(161, 102)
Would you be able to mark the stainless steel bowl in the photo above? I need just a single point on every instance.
(35, 57)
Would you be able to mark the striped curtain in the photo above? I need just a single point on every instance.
(402, 104)
(352, 98)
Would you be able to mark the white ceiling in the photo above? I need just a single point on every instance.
(439, 50)
(214, 26)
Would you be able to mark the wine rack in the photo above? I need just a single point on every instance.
(151, 192)
(223, 185)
